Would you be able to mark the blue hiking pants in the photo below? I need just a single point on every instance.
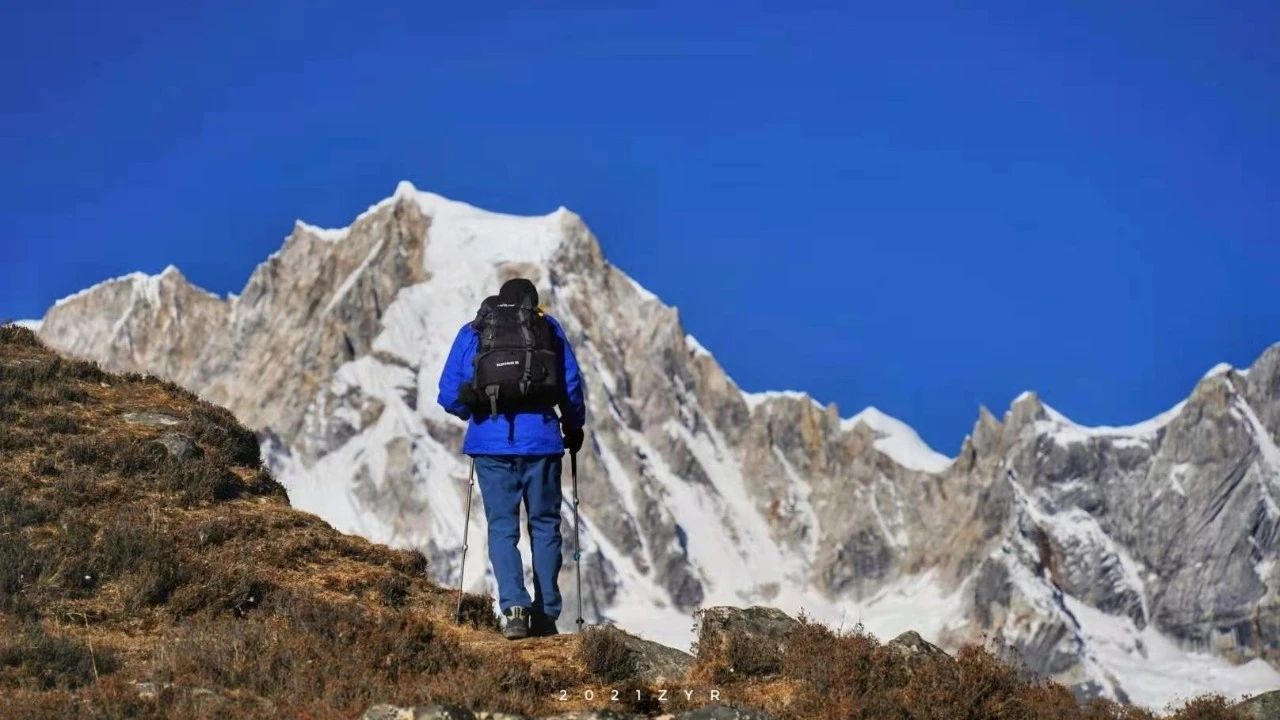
(506, 480)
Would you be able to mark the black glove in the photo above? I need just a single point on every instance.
(573, 437)
(467, 395)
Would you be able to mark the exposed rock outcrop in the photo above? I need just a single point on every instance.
(1261, 707)
(765, 625)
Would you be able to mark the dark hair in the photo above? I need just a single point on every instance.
(517, 289)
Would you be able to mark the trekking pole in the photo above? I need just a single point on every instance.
(577, 548)
(466, 527)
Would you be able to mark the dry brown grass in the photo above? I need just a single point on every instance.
(827, 674)
(604, 653)
(121, 565)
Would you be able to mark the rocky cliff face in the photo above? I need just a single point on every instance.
(1133, 561)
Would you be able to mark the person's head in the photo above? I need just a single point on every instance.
(517, 289)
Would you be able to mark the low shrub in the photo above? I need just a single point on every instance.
(154, 580)
(217, 428)
(20, 567)
(237, 589)
(290, 651)
(14, 438)
(19, 508)
(204, 482)
(18, 336)
(89, 452)
(77, 487)
(1209, 707)
(603, 651)
(477, 611)
(843, 675)
(35, 658)
(72, 394)
(264, 483)
(411, 562)
(45, 465)
(70, 554)
(58, 423)
(137, 458)
(393, 590)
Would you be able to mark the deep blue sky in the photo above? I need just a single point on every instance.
(914, 206)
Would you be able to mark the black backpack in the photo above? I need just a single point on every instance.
(517, 367)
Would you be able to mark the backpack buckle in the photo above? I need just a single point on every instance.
(492, 392)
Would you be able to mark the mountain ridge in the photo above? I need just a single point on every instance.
(709, 494)
(876, 418)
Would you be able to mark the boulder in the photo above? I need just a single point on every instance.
(1261, 707)
(656, 662)
(721, 712)
(742, 642)
(418, 712)
(594, 715)
(179, 446)
(614, 655)
(915, 648)
(151, 418)
(716, 624)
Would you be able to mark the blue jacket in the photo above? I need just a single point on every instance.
(533, 433)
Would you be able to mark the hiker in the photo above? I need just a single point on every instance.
(507, 373)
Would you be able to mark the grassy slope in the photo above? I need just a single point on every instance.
(122, 565)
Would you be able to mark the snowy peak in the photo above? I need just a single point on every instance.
(137, 322)
(1262, 382)
(139, 286)
(1219, 369)
(1028, 413)
(899, 441)
(323, 299)
(1065, 429)
(759, 399)
(509, 238)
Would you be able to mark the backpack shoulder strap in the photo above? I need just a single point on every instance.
(485, 323)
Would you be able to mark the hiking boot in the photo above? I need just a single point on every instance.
(541, 625)
(517, 625)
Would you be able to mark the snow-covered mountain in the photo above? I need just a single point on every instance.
(1137, 562)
